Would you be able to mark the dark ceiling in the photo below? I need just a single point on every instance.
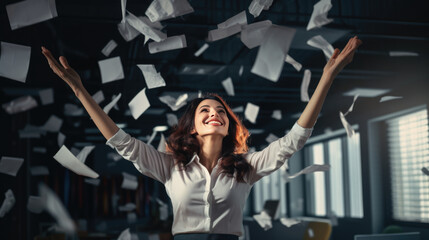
(83, 28)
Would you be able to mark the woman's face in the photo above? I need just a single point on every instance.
(210, 119)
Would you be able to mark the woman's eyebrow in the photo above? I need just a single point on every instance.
(220, 106)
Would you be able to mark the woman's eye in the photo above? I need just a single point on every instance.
(204, 110)
(222, 111)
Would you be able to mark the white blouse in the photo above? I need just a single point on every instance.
(204, 202)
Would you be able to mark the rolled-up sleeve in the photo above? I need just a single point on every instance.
(145, 158)
(274, 155)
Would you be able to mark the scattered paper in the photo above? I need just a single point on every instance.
(304, 86)
(143, 25)
(294, 63)
(403, 54)
(289, 222)
(162, 144)
(350, 131)
(170, 43)
(139, 104)
(98, 97)
(8, 203)
(164, 9)
(240, 71)
(111, 69)
(110, 105)
(53, 205)
(253, 34)
(264, 220)
(10, 165)
(83, 154)
(14, 61)
(272, 52)
(221, 33)
(353, 104)
(125, 235)
(111, 45)
(29, 12)
(21, 104)
(68, 160)
(39, 171)
(238, 109)
(425, 171)
(251, 112)
(35, 204)
(171, 119)
(127, 31)
(320, 42)
(389, 98)
(256, 6)
(72, 110)
(277, 114)
(60, 139)
(53, 124)
(46, 96)
(201, 50)
(129, 181)
(93, 181)
(310, 169)
(319, 17)
(127, 207)
(310, 233)
(174, 104)
(240, 19)
(151, 76)
(271, 138)
(229, 87)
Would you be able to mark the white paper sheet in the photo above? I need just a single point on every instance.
(144, 27)
(256, 6)
(127, 31)
(72, 110)
(164, 9)
(127, 207)
(10, 165)
(403, 54)
(83, 154)
(310, 233)
(60, 139)
(264, 220)
(350, 131)
(139, 104)
(110, 105)
(304, 86)
(129, 181)
(111, 69)
(310, 169)
(39, 171)
(352, 106)
(151, 76)
(240, 71)
(289, 222)
(162, 144)
(271, 138)
(170, 43)
(240, 19)
(46, 96)
(110, 46)
(54, 206)
(272, 52)
(251, 112)
(35, 204)
(125, 235)
(26, 13)
(425, 171)
(229, 86)
(53, 124)
(294, 63)
(201, 50)
(319, 17)
(93, 181)
(8, 203)
(389, 98)
(220, 33)
(171, 119)
(174, 104)
(14, 61)
(253, 34)
(68, 160)
(277, 114)
(98, 97)
(321, 43)
(21, 104)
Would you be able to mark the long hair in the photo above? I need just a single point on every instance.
(182, 144)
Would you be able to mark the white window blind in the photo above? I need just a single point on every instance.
(271, 187)
(408, 146)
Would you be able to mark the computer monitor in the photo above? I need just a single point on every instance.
(390, 236)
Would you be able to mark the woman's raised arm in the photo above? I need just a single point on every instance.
(103, 122)
(337, 62)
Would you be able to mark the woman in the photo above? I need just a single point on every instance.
(207, 172)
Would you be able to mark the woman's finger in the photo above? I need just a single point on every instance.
(64, 62)
(50, 58)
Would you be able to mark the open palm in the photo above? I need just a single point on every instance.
(340, 59)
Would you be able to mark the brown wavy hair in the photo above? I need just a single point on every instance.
(182, 144)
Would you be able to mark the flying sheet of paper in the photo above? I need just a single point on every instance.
(256, 6)
(171, 119)
(403, 54)
(310, 233)
(310, 169)
(125, 235)
(271, 138)
(29, 12)
(170, 43)
(264, 220)
(277, 114)
(10, 165)
(162, 144)
(238, 109)
(39, 171)
(83, 154)
(304, 86)
(68, 160)
(54, 206)
(35, 204)
(253, 34)
(127, 31)
(46, 96)
(110, 105)
(220, 33)
(129, 181)
(151, 138)
(321, 43)
(139, 104)
(8, 203)
(389, 98)
(164, 9)
(53, 124)
(201, 50)
(229, 86)
(127, 207)
(350, 131)
(251, 112)
(351, 106)
(72, 110)
(144, 27)
(240, 19)
(110, 46)
(21, 104)
(425, 171)
(111, 69)
(294, 63)
(174, 104)
(289, 222)
(93, 181)
(319, 17)
(60, 139)
(98, 96)
(123, 10)
(151, 76)
(272, 52)
(14, 61)
(240, 71)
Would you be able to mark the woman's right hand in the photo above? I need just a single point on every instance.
(64, 71)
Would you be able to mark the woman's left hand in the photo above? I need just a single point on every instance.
(340, 59)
